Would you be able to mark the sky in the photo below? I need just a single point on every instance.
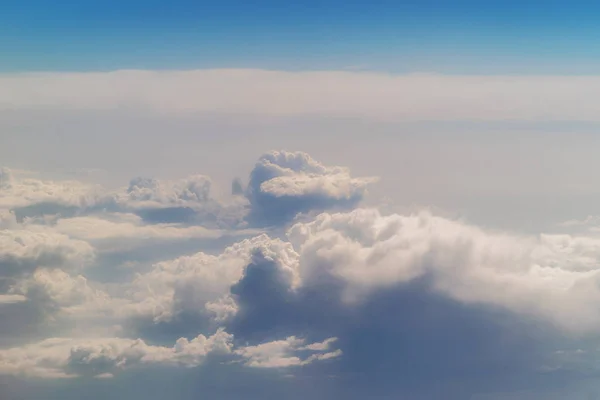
(394, 36)
(250, 200)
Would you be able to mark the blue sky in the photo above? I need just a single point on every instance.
(394, 36)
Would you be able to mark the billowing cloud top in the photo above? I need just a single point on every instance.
(283, 184)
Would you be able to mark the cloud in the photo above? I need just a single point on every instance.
(553, 277)
(51, 197)
(201, 283)
(113, 232)
(369, 95)
(186, 200)
(11, 298)
(283, 184)
(69, 294)
(192, 189)
(102, 357)
(23, 250)
(282, 353)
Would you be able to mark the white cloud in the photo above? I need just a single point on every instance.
(296, 174)
(71, 295)
(259, 281)
(286, 353)
(554, 277)
(202, 282)
(102, 357)
(191, 189)
(11, 298)
(283, 184)
(188, 198)
(326, 93)
(21, 192)
(23, 250)
(122, 231)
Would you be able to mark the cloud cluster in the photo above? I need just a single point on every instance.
(281, 185)
(201, 282)
(103, 357)
(391, 301)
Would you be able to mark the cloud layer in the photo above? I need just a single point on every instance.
(327, 93)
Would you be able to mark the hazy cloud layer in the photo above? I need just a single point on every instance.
(330, 93)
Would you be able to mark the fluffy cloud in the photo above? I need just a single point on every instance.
(202, 282)
(69, 294)
(8, 219)
(322, 93)
(192, 189)
(23, 250)
(551, 276)
(29, 196)
(405, 298)
(282, 353)
(186, 200)
(283, 184)
(156, 201)
(102, 357)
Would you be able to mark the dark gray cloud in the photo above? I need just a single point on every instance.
(405, 340)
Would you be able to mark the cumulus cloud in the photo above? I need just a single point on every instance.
(23, 250)
(202, 283)
(8, 219)
(550, 276)
(186, 200)
(320, 93)
(102, 357)
(192, 189)
(283, 184)
(34, 197)
(283, 353)
(69, 294)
